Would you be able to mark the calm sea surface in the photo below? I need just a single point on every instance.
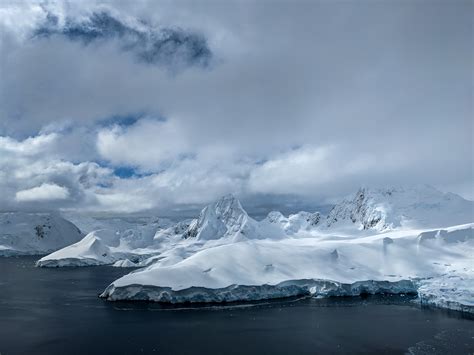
(57, 311)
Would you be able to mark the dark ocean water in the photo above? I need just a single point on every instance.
(57, 311)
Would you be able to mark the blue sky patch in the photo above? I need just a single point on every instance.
(173, 47)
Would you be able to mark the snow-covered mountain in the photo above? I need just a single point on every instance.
(382, 209)
(225, 221)
(35, 233)
(224, 218)
(90, 223)
(301, 221)
(173, 232)
(390, 208)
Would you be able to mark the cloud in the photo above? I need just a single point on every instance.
(303, 169)
(300, 103)
(44, 192)
(34, 174)
(30, 146)
(322, 171)
(132, 145)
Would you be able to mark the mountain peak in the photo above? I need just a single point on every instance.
(226, 205)
(222, 218)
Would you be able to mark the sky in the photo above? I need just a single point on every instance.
(164, 106)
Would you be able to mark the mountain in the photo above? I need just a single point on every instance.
(23, 233)
(227, 219)
(177, 229)
(225, 222)
(395, 207)
(90, 223)
(301, 221)
(379, 209)
(224, 218)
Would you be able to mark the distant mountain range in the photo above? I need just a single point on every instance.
(368, 209)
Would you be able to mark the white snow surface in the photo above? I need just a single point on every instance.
(23, 233)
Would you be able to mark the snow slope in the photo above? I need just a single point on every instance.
(23, 233)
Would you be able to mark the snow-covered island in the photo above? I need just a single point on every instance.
(394, 240)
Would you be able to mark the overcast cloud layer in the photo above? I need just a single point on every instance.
(131, 106)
